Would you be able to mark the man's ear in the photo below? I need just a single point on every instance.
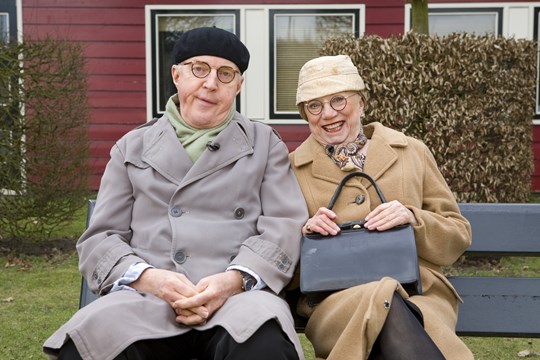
(239, 86)
(175, 72)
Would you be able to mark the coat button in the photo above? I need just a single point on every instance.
(359, 199)
(239, 213)
(176, 212)
(180, 257)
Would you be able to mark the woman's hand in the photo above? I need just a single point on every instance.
(323, 222)
(389, 215)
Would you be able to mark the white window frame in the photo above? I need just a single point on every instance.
(19, 38)
(254, 26)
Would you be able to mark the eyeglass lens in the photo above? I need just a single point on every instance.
(337, 103)
(201, 70)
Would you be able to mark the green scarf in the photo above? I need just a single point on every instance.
(192, 139)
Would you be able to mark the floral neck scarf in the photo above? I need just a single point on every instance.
(347, 156)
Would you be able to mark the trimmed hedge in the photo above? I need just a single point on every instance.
(470, 98)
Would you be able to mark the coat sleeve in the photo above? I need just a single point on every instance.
(107, 240)
(273, 254)
(442, 234)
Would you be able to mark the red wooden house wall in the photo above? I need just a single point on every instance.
(113, 35)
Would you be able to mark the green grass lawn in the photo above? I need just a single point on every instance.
(39, 293)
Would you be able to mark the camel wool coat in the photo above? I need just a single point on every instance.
(345, 325)
(237, 205)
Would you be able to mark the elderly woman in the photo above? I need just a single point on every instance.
(355, 323)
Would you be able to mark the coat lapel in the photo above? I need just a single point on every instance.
(234, 143)
(162, 151)
(381, 156)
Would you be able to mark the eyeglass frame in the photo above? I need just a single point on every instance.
(193, 63)
(329, 102)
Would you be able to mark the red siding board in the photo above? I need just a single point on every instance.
(107, 16)
(383, 16)
(112, 116)
(100, 150)
(116, 66)
(536, 133)
(109, 49)
(104, 99)
(108, 132)
(536, 183)
(384, 30)
(87, 32)
(117, 83)
(106, 4)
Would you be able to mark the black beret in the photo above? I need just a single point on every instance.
(214, 42)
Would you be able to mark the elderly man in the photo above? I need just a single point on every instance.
(196, 229)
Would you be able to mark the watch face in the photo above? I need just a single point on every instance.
(248, 281)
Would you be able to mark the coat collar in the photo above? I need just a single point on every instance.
(162, 150)
(380, 156)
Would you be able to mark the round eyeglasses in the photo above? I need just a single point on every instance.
(200, 69)
(337, 103)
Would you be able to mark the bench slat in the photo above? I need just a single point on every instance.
(494, 306)
(504, 229)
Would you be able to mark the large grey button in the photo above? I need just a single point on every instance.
(180, 257)
(239, 213)
(176, 212)
(359, 199)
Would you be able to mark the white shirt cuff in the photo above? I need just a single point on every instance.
(131, 275)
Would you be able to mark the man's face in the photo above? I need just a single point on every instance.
(205, 102)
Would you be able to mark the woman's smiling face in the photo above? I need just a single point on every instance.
(336, 127)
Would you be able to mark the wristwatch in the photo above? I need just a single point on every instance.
(248, 281)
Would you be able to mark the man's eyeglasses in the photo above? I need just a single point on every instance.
(337, 103)
(201, 70)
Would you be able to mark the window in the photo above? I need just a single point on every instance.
(167, 26)
(445, 19)
(479, 21)
(280, 38)
(296, 37)
(4, 27)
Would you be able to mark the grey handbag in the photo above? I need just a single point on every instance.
(357, 255)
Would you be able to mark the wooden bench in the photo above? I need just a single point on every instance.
(493, 306)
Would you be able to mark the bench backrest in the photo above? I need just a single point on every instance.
(87, 296)
(493, 306)
(500, 306)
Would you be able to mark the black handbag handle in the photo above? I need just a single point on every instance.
(346, 178)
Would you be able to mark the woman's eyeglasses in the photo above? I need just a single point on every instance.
(201, 70)
(337, 103)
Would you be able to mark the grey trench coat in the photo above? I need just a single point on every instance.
(238, 205)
